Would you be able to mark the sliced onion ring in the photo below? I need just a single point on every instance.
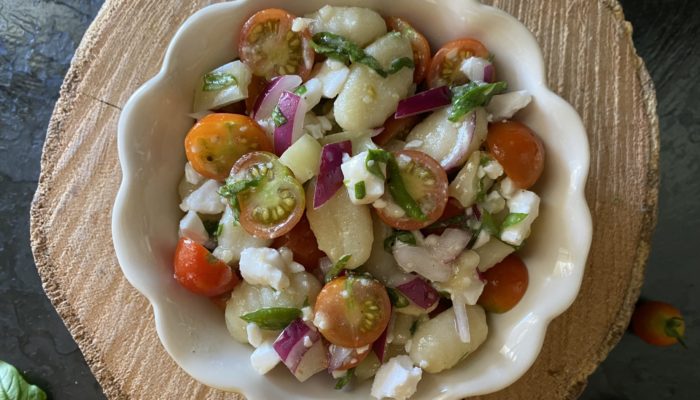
(330, 177)
(420, 292)
(424, 102)
(268, 99)
(294, 109)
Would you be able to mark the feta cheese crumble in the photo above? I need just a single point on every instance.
(332, 75)
(191, 227)
(504, 106)
(264, 358)
(523, 202)
(268, 267)
(192, 176)
(205, 199)
(397, 379)
(355, 172)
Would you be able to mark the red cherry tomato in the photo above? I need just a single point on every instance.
(217, 141)
(426, 182)
(658, 323)
(518, 150)
(269, 47)
(200, 272)
(276, 204)
(506, 283)
(353, 311)
(445, 67)
(419, 44)
(302, 242)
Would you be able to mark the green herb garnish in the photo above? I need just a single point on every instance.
(467, 97)
(487, 223)
(341, 49)
(231, 189)
(301, 90)
(360, 190)
(277, 117)
(402, 236)
(272, 318)
(337, 267)
(513, 219)
(374, 157)
(398, 191)
(398, 300)
(218, 80)
(345, 379)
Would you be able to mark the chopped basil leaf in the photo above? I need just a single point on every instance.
(374, 157)
(513, 219)
(337, 267)
(306, 302)
(277, 117)
(481, 193)
(467, 97)
(231, 189)
(301, 90)
(403, 236)
(272, 318)
(360, 190)
(484, 159)
(398, 300)
(217, 81)
(13, 386)
(398, 191)
(341, 49)
(345, 379)
(487, 223)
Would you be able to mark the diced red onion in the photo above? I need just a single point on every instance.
(268, 99)
(380, 345)
(424, 102)
(290, 343)
(459, 152)
(330, 177)
(489, 73)
(420, 292)
(293, 107)
(448, 246)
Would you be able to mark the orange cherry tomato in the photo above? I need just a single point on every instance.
(198, 271)
(353, 311)
(217, 141)
(518, 150)
(269, 47)
(426, 182)
(506, 283)
(396, 129)
(276, 204)
(419, 44)
(658, 323)
(445, 66)
(302, 242)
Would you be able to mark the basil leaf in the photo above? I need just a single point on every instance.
(360, 190)
(467, 97)
(337, 267)
(341, 49)
(513, 219)
(218, 80)
(231, 189)
(487, 223)
(273, 318)
(301, 90)
(398, 300)
(14, 387)
(345, 379)
(277, 117)
(398, 191)
(403, 236)
(374, 157)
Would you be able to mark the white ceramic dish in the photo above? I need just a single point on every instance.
(146, 214)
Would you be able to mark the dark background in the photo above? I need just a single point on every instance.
(37, 40)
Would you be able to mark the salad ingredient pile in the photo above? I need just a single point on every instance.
(354, 201)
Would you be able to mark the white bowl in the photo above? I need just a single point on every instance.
(153, 125)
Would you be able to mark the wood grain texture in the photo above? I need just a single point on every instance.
(590, 61)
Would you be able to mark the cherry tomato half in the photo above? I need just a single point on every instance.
(518, 150)
(302, 242)
(198, 271)
(419, 44)
(396, 129)
(276, 204)
(269, 48)
(353, 311)
(506, 283)
(426, 182)
(658, 323)
(217, 141)
(445, 66)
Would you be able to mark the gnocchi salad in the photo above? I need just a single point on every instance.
(353, 201)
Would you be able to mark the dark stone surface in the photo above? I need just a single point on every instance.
(37, 39)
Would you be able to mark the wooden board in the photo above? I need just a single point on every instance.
(591, 62)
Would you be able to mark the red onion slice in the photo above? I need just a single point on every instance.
(268, 99)
(330, 177)
(489, 73)
(293, 108)
(459, 153)
(290, 344)
(420, 292)
(424, 102)
(380, 345)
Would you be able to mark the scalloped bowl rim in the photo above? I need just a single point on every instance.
(201, 353)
